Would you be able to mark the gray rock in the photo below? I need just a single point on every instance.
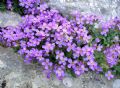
(68, 82)
(9, 19)
(116, 83)
(16, 74)
(105, 8)
(2, 65)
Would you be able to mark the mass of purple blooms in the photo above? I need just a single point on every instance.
(59, 44)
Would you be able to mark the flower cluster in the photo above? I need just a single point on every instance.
(112, 55)
(59, 44)
(111, 24)
(29, 3)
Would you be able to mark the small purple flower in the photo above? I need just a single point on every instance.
(77, 71)
(88, 58)
(92, 64)
(109, 75)
(47, 73)
(59, 54)
(59, 73)
(63, 61)
(48, 47)
(77, 52)
(99, 69)
(70, 47)
(83, 69)
(97, 40)
(99, 47)
(46, 64)
(72, 63)
(87, 50)
(9, 4)
(69, 39)
(40, 56)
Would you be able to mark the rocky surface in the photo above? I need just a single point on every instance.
(9, 19)
(15, 74)
(105, 8)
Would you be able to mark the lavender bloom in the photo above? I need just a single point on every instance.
(87, 50)
(97, 40)
(48, 47)
(80, 69)
(109, 75)
(72, 63)
(88, 58)
(77, 52)
(29, 3)
(9, 4)
(59, 73)
(47, 73)
(40, 56)
(63, 61)
(92, 64)
(99, 47)
(59, 54)
(71, 47)
(46, 64)
(112, 55)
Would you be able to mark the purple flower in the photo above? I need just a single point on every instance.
(9, 4)
(40, 56)
(63, 61)
(97, 40)
(83, 69)
(87, 50)
(59, 73)
(46, 64)
(47, 73)
(72, 63)
(77, 52)
(92, 64)
(109, 75)
(112, 55)
(88, 58)
(48, 47)
(59, 54)
(99, 47)
(71, 47)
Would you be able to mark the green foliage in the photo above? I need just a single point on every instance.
(107, 40)
(68, 54)
(70, 71)
(116, 70)
(15, 49)
(2, 5)
(52, 57)
(100, 58)
(15, 6)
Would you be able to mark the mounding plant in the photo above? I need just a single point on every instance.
(58, 44)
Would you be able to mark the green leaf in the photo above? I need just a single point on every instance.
(16, 49)
(116, 70)
(2, 7)
(100, 58)
(70, 71)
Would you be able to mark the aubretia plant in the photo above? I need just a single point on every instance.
(60, 45)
